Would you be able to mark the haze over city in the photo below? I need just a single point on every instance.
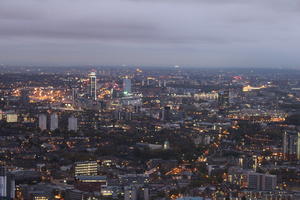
(198, 33)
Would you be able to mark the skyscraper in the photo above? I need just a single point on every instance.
(223, 98)
(53, 121)
(7, 184)
(42, 122)
(93, 85)
(74, 96)
(72, 124)
(126, 86)
(291, 145)
(24, 97)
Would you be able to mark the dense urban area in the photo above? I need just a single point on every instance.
(138, 133)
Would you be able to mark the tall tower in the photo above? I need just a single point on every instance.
(72, 124)
(7, 184)
(291, 145)
(93, 85)
(42, 122)
(74, 96)
(223, 98)
(126, 86)
(53, 121)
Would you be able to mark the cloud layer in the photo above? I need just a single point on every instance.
(259, 33)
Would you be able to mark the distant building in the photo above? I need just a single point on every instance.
(90, 183)
(53, 121)
(74, 96)
(126, 86)
(42, 121)
(7, 184)
(260, 181)
(166, 113)
(111, 191)
(206, 96)
(131, 100)
(24, 97)
(72, 124)
(252, 180)
(136, 193)
(88, 168)
(93, 86)
(11, 117)
(291, 145)
(133, 179)
(166, 145)
(223, 98)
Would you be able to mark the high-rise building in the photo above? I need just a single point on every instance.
(24, 97)
(42, 122)
(165, 83)
(252, 180)
(53, 121)
(88, 168)
(126, 86)
(72, 124)
(223, 98)
(74, 95)
(93, 85)
(166, 113)
(291, 145)
(7, 184)
(260, 181)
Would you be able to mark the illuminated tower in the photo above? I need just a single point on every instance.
(93, 85)
(126, 86)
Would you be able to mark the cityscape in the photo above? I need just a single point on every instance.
(149, 133)
(149, 100)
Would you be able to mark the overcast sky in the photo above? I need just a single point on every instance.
(204, 33)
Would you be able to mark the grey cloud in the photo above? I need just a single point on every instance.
(187, 32)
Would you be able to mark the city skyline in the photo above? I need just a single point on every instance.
(149, 134)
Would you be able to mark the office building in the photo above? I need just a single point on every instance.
(42, 122)
(252, 180)
(53, 121)
(24, 97)
(7, 184)
(260, 181)
(166, 113)
(136, 193)
(88, 168)
(291, 145)
(90, 183)
(93, 86)
(126, 86)
(72, 124)
(223, 98)
(74, 96)
(11, 117)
